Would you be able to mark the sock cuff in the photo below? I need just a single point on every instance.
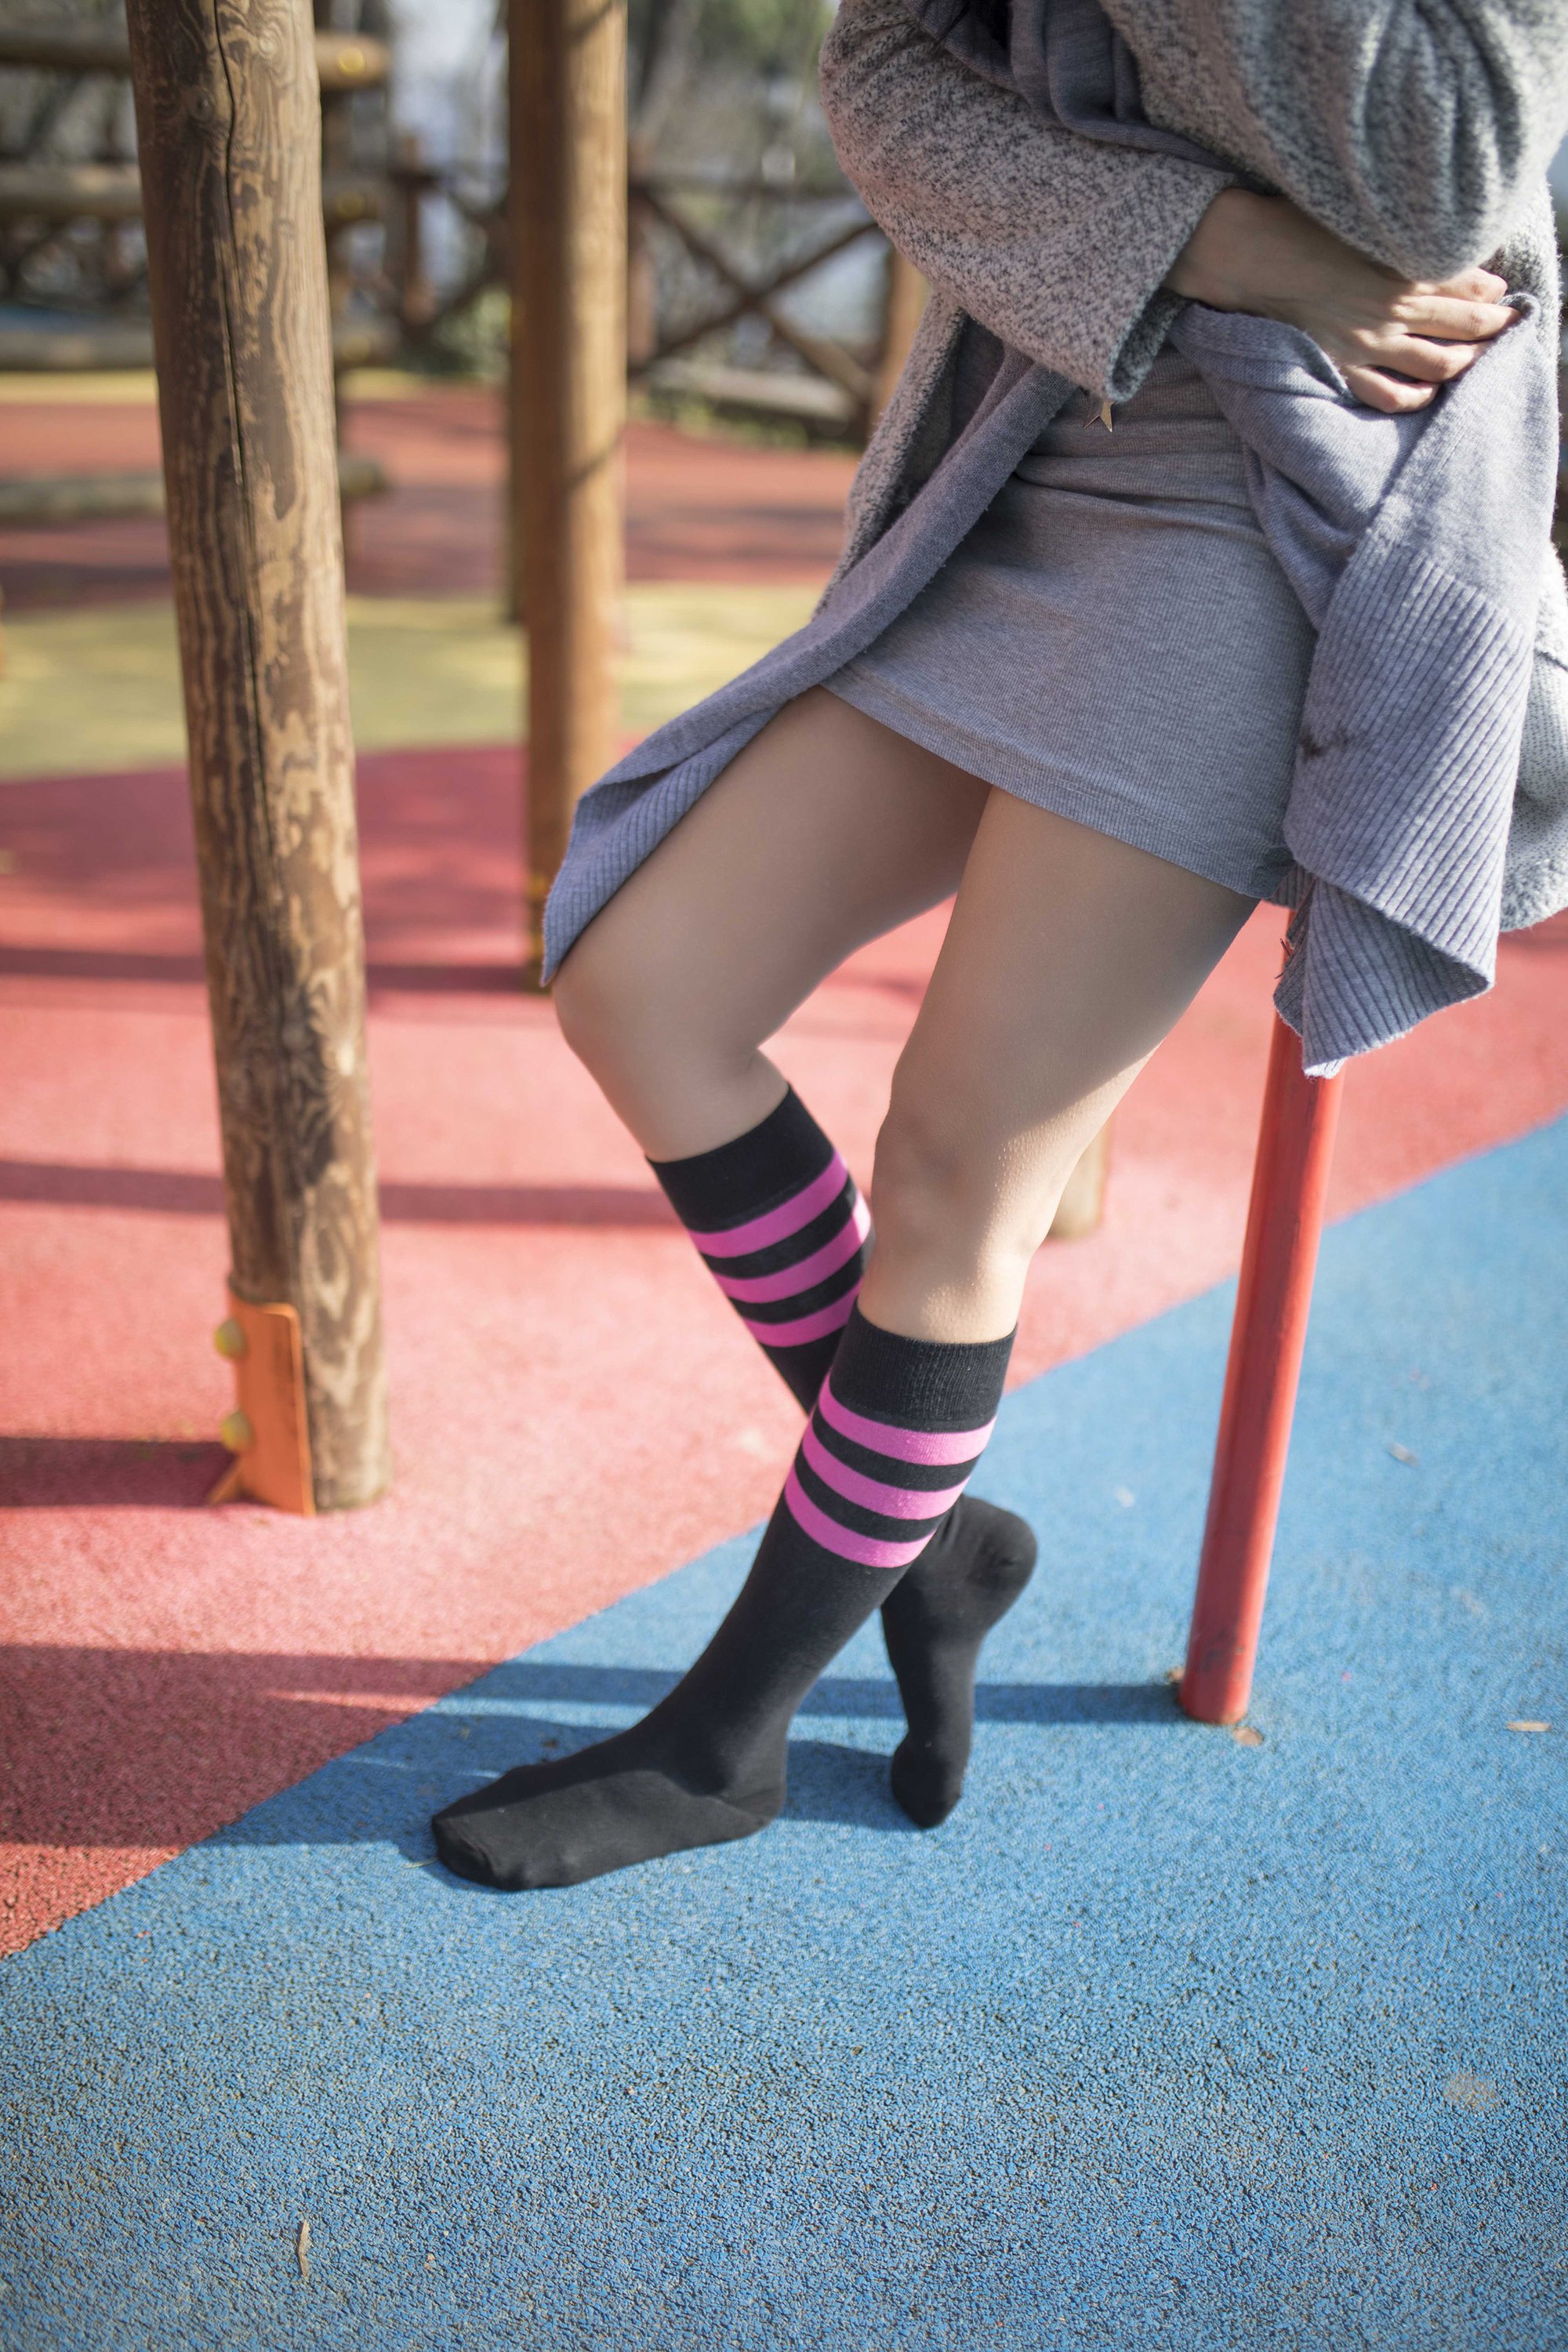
(926, 1384)
(737, 1180)
(899, 1427)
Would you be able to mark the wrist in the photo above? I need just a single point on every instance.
(1219, 264)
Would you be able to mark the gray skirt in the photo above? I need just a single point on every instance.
(1114, 641)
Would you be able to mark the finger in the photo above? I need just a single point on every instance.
(1410, 355)
(1453, 321)
(1470, 285)
(1387, 393)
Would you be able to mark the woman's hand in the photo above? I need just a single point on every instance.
(1393, 341)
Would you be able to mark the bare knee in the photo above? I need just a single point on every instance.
(952, 1196)
(667, 1053)
(933, 1193)
(629, 1038)
(592, 1002)
(642, 1039)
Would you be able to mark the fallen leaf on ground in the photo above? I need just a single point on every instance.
(1472, 2092)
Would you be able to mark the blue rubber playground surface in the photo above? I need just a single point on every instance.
(1165, 2040)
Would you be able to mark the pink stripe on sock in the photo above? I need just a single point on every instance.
(867, 1551)
(893, 1502)
(929, 1445)
(778, 1224)
(827, 1260)
(808, 1327)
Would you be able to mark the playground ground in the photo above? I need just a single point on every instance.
(1166, 2038)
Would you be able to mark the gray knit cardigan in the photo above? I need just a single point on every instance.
(1417, 132)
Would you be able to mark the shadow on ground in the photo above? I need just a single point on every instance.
(99, 1472)
(190, 1193)
(183, 1742)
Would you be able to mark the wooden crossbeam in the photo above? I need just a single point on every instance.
(344, 61)
(112, 192)
(827, 358)
(112, 345)
(63, 192)
(32, 501)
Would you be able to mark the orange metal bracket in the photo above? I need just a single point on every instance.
(268, 1433)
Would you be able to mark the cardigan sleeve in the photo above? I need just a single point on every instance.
(1057, 244)
(1416, 130)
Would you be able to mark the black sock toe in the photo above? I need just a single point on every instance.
(603, 1809)
(462, 1849)
(926, 1786)
(935, 1623)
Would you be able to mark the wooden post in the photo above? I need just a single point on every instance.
(568, 184)
(411, 179)
(230, 127)
(642, 272)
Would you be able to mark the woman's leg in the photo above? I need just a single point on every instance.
(1068, 958)
(827, 831)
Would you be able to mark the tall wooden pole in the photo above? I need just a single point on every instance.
(228, 122)
(568, 179)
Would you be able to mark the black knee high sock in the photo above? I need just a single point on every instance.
(898, 1429)
(781, 1228)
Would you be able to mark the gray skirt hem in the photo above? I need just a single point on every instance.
(1091, 801)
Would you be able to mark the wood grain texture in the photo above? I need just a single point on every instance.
(228, 121)
(567, 95)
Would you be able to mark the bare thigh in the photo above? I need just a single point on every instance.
(828, 830)
(1067, 958)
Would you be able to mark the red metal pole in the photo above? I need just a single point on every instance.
(1284, 1220)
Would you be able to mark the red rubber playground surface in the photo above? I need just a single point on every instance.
(575, 1412)
(695, 509)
